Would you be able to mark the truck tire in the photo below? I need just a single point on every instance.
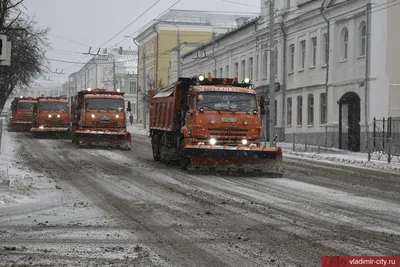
(155, 145)
(164, 153)
(183, 158)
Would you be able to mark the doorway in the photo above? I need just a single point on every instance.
(349, 122)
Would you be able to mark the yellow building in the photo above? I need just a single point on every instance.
(179, 31)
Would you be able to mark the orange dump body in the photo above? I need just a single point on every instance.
(99, 118)
(22, 113)
(51, 115)
(210, 124)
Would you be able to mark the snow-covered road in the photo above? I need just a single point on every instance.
(121, 207)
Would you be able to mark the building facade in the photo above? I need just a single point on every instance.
(113, 70)
(331, 83)
(178, 31)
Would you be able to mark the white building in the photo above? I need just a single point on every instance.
(331, 113)
(113, 70)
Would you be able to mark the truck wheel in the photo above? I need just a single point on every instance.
(184, 159)
(164, 149)
(155, 144)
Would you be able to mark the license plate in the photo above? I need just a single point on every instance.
(228, 120)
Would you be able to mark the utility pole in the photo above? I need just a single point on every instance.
(144, 91)
(114, 80)
(179, 56)
(272, 72)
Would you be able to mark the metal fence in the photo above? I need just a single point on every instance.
(385, 141)
(309, 143)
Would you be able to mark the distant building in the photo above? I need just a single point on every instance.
(99, 72)
(158, 43)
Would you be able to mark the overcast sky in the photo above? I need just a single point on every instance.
(78, 24)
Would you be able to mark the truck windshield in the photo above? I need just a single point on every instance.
(104, 104)
(53, 106)
(26, 105)
(227, 101)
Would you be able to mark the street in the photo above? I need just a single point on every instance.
(122, 208)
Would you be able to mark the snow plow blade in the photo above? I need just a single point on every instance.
(50, 129)
(259, 159)
(21, 126)
(105, 138)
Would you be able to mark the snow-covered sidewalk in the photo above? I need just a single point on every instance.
(137, 129)
(341, 157)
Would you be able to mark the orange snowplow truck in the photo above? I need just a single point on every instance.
(99, 118)
(51, 116)
(210, 123)
(22, 113)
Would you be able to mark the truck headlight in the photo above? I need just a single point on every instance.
(41, 127)
(93, 116)
(244, 142)
(213, 141)
(50, 116)
(117, 116)
(58, 116)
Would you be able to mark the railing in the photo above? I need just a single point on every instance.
(382, 148)
(309, 143)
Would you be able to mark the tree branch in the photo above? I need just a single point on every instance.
(15, 5)
(12, 22)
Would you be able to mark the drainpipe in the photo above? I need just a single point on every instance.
(283, 79)
(215, 60)
(327, 71)
(157, 47)
(367, 69)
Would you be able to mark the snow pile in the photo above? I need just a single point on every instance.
(137, 129)
(351, 159)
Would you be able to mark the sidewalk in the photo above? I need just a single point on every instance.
(341, 157)
(137, 129)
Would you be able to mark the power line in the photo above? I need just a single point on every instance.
(141, 15)
(238, 3)
(162, 13)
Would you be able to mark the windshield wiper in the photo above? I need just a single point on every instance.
(211, 107)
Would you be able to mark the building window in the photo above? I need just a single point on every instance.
(310, 110)
(324, 108)
(237, 70)
(243, 70)
(291, 63)
(302, 54)
(251, 70)
(221, 72)
(289, 111)
(134, 109)
(257, 67)
(325, 54)
(314, 51)
(345, 43)
(265, 64)
(276, 112)
(132, 87)
(363, 39)
(299, 110)
(227, 71)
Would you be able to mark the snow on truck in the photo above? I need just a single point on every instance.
(99, 118)
(51, 116)
(22, 113)
(210, 123)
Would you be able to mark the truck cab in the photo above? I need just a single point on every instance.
(99, 116)
(51, 115)
(22, 113)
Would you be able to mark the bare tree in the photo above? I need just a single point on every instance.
(29, 44)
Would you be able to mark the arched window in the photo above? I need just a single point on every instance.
(345, 43)
(363, 39)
